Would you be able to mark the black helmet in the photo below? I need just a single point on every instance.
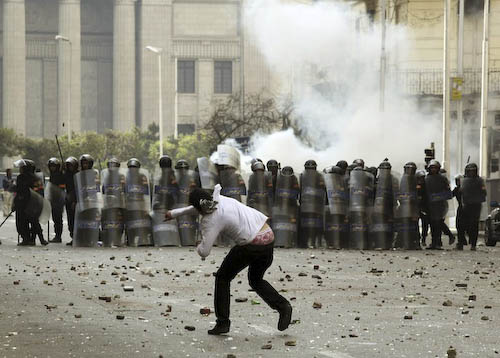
(310, 164)
(54, 162)
(71, 161)
(272, 164)
(87, 158)
(257, 165)
(342, 164)
(30, 165)
(20, 163)
(373, 170)
(113, 163)
(359, 163)
(165, 161)
(287, 171)
(133, 163)
(182, 164)
(420, 173)
(471, 170)
(410, 168)
(434, 163)
(334, 170)
(385, 165)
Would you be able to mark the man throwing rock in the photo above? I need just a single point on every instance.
(254, 248)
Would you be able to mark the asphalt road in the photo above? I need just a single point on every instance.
(54, 303)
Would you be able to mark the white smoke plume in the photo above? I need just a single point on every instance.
(327, 55)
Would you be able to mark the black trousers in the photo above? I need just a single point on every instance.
(436, 231)
(425, 226)
(57, 217)
(70, 214)
(469, 223)
(258, 258)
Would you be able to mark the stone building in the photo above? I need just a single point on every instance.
(99, 75)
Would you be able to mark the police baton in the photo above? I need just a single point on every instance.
(60, 152)
(8, 216)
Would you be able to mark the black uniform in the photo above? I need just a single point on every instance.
(24, 182)
(472, 193)
(70, 200)
(57, 178)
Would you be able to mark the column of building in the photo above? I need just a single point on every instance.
(69, 67)
(124, 65)
(14, 65)
(156, 31)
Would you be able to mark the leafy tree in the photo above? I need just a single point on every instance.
(9, 142)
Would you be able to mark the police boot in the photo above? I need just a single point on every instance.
(27, 241)
(57, 239)
(220, 328)
(459, 247)
(43, 241)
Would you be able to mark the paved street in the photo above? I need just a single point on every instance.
(63, 302)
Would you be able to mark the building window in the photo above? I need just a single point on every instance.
(185, 129)
(223, 76)
(185, 76)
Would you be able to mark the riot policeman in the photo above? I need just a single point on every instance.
(437, 193)
(422, 203)
(273, 168)
(38, 187)
(71, 164)
(459, 219)
(22, 188)
(89, 204)
(382, 227)
(113, 210)
(336, 224)
(56, 194)
(232, 182)
(138, 204)
(312, 206)
(187, 180)
(473, 194)
(360, 203)
(359, 163)
(165, 197)
(285, 208)
(408, 211)
(260, 186)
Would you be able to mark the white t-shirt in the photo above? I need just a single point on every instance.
(231, 218)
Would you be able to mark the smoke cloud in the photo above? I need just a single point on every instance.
(326, 55)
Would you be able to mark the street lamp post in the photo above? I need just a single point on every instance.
(65, 39)
(158, 51)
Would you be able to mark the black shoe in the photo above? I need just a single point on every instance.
(451, 240)
(220, 328)
(56, 240)
(473, 248)
(459, 247)
(69, 243)
(26, 243)
(43, 242)
(285, 317)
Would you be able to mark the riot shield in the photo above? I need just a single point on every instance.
(137, 190)
(232, 184)
(187, 180)
(359, 191)
(113, 226)
(407, 198)
(336, 230)
(337, 193)
(88, 190)
(438, 192)
(228, 155)
(312, 192)
(260, 187)
(384, 195)
(165, 233)
(285, 211)
(188, 227)
(113, 188)
(209, 176)
(55, 195)
(86, 231)
(138, 228)
(472, 190)
(37, 208)
(165, 190)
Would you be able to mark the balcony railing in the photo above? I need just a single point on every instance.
(430, 81)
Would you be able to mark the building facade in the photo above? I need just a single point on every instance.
(98, 74)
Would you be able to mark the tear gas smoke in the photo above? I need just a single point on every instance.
(327, 56)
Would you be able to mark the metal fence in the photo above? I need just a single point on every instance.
(430, 81)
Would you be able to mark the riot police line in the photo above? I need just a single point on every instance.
(342, 207)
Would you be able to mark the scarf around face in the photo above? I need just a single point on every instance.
(208, 206)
